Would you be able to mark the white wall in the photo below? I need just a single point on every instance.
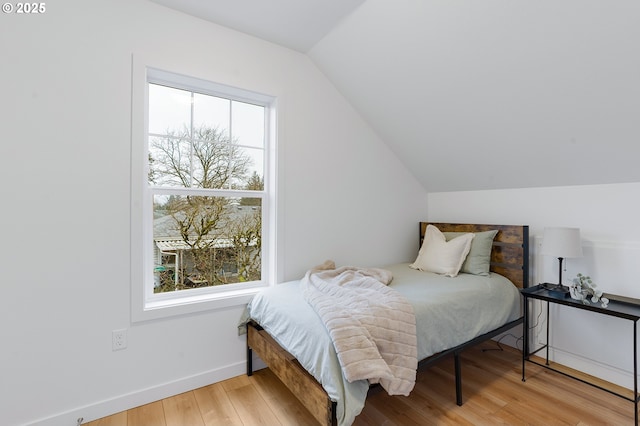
(65, 121)
(607, 217)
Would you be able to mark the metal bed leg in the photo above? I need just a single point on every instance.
(456, 357)
(249, 355)
(635, 371)
(525, 335)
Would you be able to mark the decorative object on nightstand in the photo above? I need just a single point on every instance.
(583, 288)
(561, 243)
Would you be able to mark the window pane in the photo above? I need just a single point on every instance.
(169, 110)
(248, 124)
(169, 161)
(211, 112)
(206, 161)
(254, 168)
(205, 241)
(196, 148)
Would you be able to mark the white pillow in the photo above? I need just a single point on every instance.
(441, 256)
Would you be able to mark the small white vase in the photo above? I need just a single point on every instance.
(577, 293)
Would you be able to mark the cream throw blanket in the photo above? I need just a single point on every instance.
(372, 326)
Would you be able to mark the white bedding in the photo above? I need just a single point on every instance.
(449, 312)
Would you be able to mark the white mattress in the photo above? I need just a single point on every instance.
(449, 312)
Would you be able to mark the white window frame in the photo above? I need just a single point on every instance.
(145, 305)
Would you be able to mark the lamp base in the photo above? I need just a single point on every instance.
(556, 290)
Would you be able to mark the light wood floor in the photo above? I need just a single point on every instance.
(493, 394)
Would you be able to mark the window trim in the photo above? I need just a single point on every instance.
(144, 307)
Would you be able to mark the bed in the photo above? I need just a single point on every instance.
(287, 334)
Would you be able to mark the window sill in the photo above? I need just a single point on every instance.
(158, 309)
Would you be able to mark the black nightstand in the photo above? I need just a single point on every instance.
(619, 307)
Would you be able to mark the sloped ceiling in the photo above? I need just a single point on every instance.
(482, 94)
(296, 24)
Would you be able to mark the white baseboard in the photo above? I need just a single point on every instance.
(592, 367)
(144, 396)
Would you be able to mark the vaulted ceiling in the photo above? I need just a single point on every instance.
(473, 94)
(297, 24)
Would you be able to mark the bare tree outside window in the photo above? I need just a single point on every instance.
(203, 240)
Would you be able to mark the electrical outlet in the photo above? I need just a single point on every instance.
(119, 339)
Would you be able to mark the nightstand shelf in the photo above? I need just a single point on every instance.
(619, 307)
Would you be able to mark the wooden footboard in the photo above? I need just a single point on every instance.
(302, 384)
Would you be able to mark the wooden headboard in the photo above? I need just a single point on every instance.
(510, 251)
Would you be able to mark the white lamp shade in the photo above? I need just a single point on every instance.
(562, 242)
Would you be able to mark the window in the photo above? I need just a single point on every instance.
(205, 192)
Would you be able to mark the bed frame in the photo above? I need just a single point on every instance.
(509, 257)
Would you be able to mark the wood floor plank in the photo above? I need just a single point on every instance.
(432, 409)
(216, 407)
(236, 382)
(181, 410)
(274, 392)
(397, 411)
(251, 408)
(370, 416)
(147, 415)
(118, 419)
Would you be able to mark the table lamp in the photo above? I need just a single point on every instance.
(561, 243)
